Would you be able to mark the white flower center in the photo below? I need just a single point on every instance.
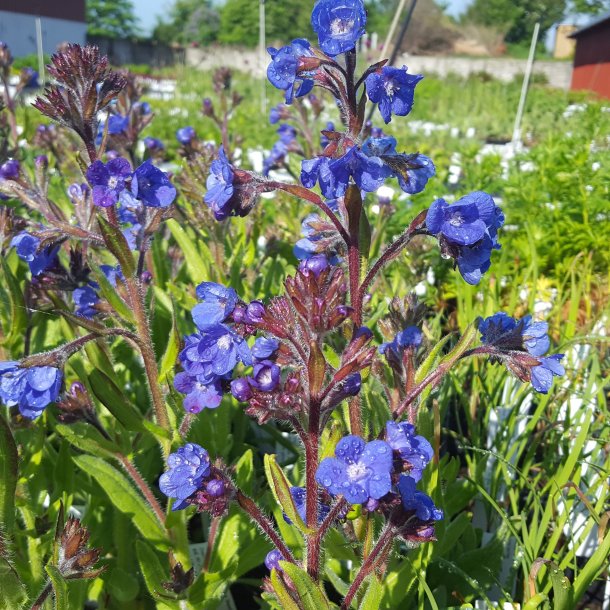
(224, 342)
(341, 26)
(390, 88)
(113, 181)
(356, 471)
(456, 220)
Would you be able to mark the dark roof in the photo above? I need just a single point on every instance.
(590, 26)
(71, 10)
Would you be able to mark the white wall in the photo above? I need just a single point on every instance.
(19, 32)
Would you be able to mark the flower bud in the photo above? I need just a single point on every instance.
(254, 312)
(272, 561)
(185, 135)
(316, 264)
(241, 390)
(42, 162)
(215, 488)
(208, 107)
(266, 376)
(9, 170)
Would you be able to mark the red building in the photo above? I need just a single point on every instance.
(592, 57)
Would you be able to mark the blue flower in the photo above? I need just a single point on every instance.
(213, 353)
(31, 389)
(316, 264)
(188, 467)
(412, 448)
(218, 302)
(299, 496)
(241, 390)
(320, 237)
(117, 123)
(85, 299)
(272, 560)
(411, 337)
(199, 395)
(359, 471)
(10, 169)
(392, 89)
(28, 249)
(338, 24)
(324, 139)
(108, 180)
(153, 144)
(266, 376)
(542, 376)
(185, 135)
(152, 187)
(276, 156)
(417, 501)
(264, 348)
(467, 231)
(283, 70)
(220, 186)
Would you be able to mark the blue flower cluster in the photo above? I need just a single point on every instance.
(210, 355)
(369, 474)
(31, 389)
(149, 186)
(28, 249)
(467, 231)
(410, 337)
(286, 143)
(86, 298)
(266, 373)
(189, 466)
(511, 335)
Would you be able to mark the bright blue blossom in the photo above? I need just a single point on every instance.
(411, 337)
(153, 144)
(393, 90)
(188, 467)
(218, 302)
(272, 560)
(264, 348)
(299, 496)
(542, 376)
(31, 389)
(266, 376)
(283, 70)
(240, 388)
(338, 24)
(358, 471)
(316, 264)
(417, 501)
(185, 135)
(220, 186)
(9, 170)
(86, 297)
(467, 231)
(152, 187)
(108, 180)
(412, 448)
(28, 249)
(117, 123)
(199, 395)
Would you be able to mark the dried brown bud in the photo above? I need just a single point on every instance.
(75, 559)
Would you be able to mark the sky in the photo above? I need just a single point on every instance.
(148, 10)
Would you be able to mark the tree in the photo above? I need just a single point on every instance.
(189, 21)
(516, 18)
(592, 7)
(111, 18)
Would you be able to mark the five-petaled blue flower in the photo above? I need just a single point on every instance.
(412, 448)
(339, 24)
(283, 71)
(393, 90)
(28, 249)
(467, 231)
(188, 467)
(358, 471)
(108, 180)
(411, 336)
(220, 186)
(266, 376)
(199, 395)
(417, 501)
(542, 376)
(31, 389)
(218, 303)
(152, 187)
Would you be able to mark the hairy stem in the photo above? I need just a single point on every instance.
(385, 540)
(42, 598)
(210, 543)
(249, 507)
(142, 485)
(311, 498)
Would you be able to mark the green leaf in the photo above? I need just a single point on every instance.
(109, 292)
(14, 594)
(8, 475)
(309, 593)
(17, 312)
(111, 396)
(462, 345)
(197, 267)
(152, 571)
(428, 363)
(124, 497)
(60, 588)
(281, 491)
(86, 438)
(117, 244)
(280, 590)
(373, 596)
(244, 472)
(123, 585)
(168, 362)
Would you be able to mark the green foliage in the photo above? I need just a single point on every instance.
(111, 18)
(189, 21)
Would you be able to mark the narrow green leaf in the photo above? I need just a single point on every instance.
(122, 585)
(536, 601)
(244, 472)
(462, 345)
(117, 244)
(13, 592)
(8, 475)
(124, 496)
(109, 292)
(168, 362)
(373, 596)
(280, 590)
(86, 438)
(426, 366)
(60, 588)
(152, 571)
(281, 491)
(310, 594)
(197, 267)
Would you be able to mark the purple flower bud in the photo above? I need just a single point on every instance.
(146, 277)
(9, 170)
(208, 107)
(352, 384)
(153, 144)
(317, 264)
(77, 388)
(42, 162)
(215, 488)
(371, 505)
(240, 388)
(186, 135)
(272, 561)
(239, 314)
(254, 312)
(266, 376)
